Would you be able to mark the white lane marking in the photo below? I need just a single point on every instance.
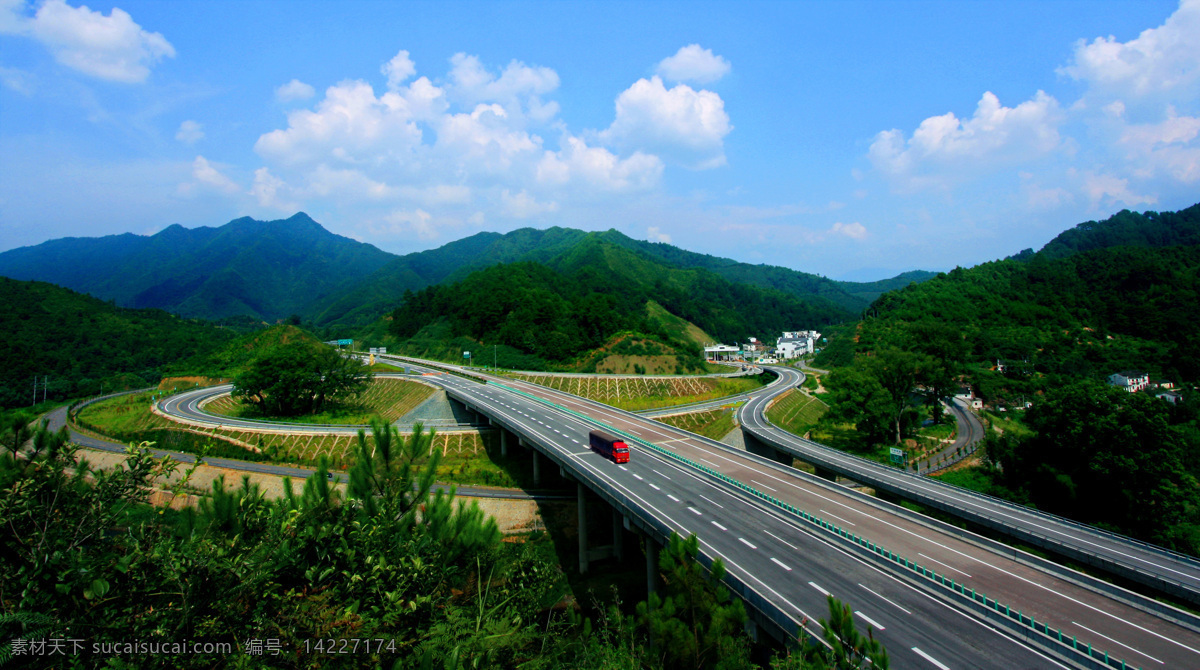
(743, 541)
(623, 468)
(661, 475)
(777, 562)
(1133, 649)
(814, 585)
(869, 620)
(696, 511)
(779, 538)
(838, 517)
(764, 486)
(654, 487)
(719, 526)
(709, 462)
(929, 658)
(766, 586)
(672, 497)
(711, 501)
(885, 599)
(636, 476)
(951, 567)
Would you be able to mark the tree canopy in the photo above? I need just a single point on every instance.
(299, 377)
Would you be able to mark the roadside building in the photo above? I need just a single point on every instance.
(721, 352)
(796, 343)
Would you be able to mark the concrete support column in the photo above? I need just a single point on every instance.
(537, 467)
(651, 566)
(503, 442)
(581, 496)
(618, 535)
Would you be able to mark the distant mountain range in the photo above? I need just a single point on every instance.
(270, 270)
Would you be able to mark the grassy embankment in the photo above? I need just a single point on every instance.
(386, 398)
(635, 393)
(467, 457)
(714, 424)
(796, 412)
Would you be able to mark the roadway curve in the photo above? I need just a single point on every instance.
(1156, 567)
(790, 566)
(58, 418)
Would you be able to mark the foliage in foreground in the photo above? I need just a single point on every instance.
(391, 560)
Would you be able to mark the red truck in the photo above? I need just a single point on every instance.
(609, 446)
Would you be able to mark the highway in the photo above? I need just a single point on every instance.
(787, 564)
(726, 531)
(1164, 570)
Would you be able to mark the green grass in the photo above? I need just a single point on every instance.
(1008, 422)
(636, 393)
(714, 424)
(796, 412)
(467, 458)
(389, 399)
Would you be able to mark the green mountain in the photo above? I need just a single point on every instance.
(268, 270)
(1101, 297)
(85, 344)
(557, 312)
(265, 269)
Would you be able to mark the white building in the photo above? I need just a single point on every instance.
(721, 352)
(1130, 380)
(795, 343)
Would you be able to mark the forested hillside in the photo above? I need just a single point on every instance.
(556, 313)
(84, 344)
(264, 269)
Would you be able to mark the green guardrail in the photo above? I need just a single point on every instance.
(1038, 627)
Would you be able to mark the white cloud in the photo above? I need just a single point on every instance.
(1108, 190)
(655, 235)
(680, 122)
(190, 132)
(1158, 60)
(294, 90)
(944, 149)
(523, 206)
(113, 47)
(349, 125)
(691, 63)
(484, 139)
(206, 174)
(271, 191)
(855, 230)
(346, 183)
(518, 88)
(398, 69)
(407, 223)
(598, 168)
(16, 80)
(437, 194)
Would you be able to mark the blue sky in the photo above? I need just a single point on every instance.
(853, 140)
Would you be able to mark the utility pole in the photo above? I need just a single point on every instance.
(494, 366)
(45, 384)
(34, 401)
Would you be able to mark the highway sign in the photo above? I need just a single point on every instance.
(466, 354)
(897, 455)
(374, 351)
(383, 350)
(345, 343)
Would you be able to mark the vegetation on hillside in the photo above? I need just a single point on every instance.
(552, 315)
(1047, 328)
(426, 580)
(86, 345)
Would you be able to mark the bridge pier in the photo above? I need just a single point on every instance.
(581, 496)
(537, 467)
(651, 566)
(755, 446)
(618, 535)
(503, 442)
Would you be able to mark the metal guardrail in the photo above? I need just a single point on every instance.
(1039, 633)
